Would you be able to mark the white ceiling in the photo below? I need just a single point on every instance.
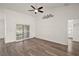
(24, 7)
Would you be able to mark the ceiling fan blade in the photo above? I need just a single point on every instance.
(30, 10)
(40, 7)
(41, 11)
(33, 7)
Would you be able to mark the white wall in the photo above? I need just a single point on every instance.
(11, 19)
(52, 29)
(55, 29)
(1, 24)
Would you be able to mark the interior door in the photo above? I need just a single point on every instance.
(76, 30)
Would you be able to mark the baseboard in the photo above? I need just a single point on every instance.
(40, 39)
(19, 40)
(57, 45)
(50, 41)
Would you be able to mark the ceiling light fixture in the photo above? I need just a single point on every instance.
(36, 10)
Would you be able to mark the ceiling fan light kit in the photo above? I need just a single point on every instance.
(36, 10)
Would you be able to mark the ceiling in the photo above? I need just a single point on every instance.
(24, 7)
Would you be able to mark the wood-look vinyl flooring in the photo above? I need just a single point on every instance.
(36, 47)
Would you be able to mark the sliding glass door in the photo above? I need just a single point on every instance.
(26, 31)
(22, 31)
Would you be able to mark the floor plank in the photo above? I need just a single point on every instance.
(35, 47)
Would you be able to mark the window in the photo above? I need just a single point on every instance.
(22, 31)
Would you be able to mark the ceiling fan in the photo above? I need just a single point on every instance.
(36, 10)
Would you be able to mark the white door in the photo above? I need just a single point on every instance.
(73, 33)
(76, 30)
(70, 34)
